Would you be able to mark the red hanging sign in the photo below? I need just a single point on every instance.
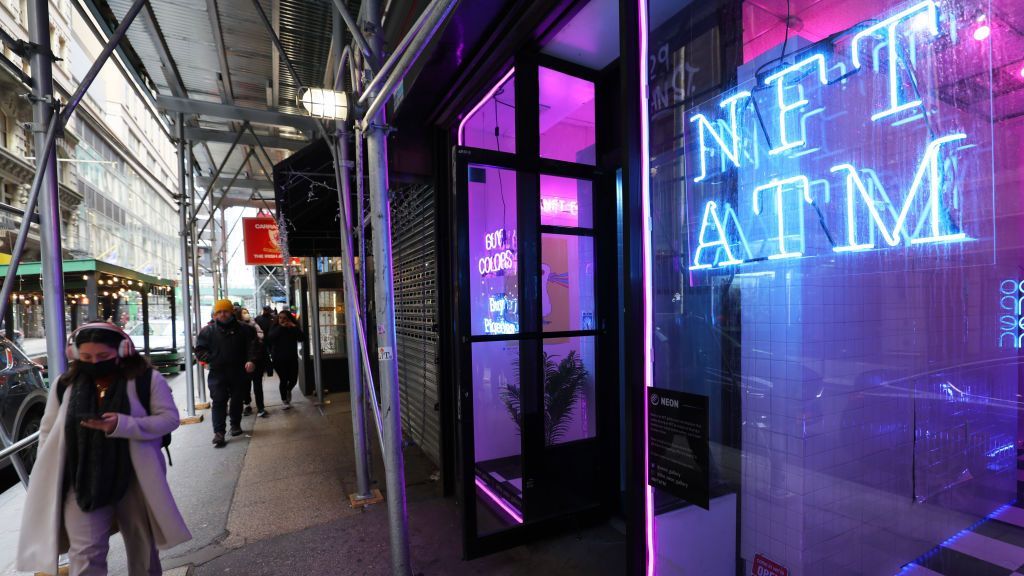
(262, 242)
(765, 567)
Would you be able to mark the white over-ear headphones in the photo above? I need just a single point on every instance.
(124, 349)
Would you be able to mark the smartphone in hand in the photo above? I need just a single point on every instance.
(91, 416)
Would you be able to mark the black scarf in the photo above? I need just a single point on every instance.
(97, 467)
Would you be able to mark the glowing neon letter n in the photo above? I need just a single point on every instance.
(711, 217)
(704, 126)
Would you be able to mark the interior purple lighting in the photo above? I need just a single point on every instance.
(499, 501)
(566, 117)
(566, 202)
(491, 124)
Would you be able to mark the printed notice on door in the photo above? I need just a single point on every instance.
(677, 444)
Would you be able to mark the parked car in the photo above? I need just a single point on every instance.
(22, 397)
(18, 336)
(159, 336)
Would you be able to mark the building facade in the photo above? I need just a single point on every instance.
(769, 253)
(116, 160)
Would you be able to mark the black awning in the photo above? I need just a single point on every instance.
(306, 193)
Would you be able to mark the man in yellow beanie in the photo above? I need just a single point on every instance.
(230, 349)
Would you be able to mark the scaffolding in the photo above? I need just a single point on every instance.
(374, 78)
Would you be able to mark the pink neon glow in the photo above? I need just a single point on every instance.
(566, 117)
(488, 96)
(560, 201)
(645, 170)
(501, 502)
(1022, 71)
(982, 32)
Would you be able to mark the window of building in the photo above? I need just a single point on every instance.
(3, 130)
(491, 124)
(835, 281)
(567, 129)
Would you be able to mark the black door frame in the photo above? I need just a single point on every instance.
(529, 166)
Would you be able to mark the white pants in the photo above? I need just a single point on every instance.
(89, 533)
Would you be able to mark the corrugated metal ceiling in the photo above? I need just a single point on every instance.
(306, 36)
(188, 29)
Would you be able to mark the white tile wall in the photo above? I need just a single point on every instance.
(833, 367)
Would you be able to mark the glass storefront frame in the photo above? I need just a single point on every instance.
(635, 38)
(570, 455)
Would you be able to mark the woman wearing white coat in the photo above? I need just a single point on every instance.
(99, 463)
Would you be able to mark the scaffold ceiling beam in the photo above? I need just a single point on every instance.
(241, 183)
(255, 115)
(208, 135)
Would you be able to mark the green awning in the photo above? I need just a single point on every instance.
(29, 269)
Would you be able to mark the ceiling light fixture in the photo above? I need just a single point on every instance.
(322, 103)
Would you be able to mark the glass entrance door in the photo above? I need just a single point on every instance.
(529, 296)
(529, 379)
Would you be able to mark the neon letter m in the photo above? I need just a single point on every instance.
(927, 169)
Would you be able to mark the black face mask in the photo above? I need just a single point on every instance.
(99, 369)
(228, 323)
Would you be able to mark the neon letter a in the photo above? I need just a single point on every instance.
(711, 218)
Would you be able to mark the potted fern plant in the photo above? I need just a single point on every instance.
(564, 382)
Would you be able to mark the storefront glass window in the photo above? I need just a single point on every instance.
(497, 420)
(566, 117)
(493, 244)
(566, 202)
(835, 281)
(491, 124)
(567, 282)
(570, 408)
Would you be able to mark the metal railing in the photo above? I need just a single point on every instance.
(26, 442)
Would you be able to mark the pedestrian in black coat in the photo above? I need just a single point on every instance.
(231, 350)
(283, 345)
(266, 321)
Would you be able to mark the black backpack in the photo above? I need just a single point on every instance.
(142, 390)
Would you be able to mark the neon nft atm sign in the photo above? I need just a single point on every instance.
(856, 143)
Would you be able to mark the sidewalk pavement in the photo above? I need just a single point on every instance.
(275, 501)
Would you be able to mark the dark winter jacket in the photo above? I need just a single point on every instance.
(266, 322)
(226, 348)
(283, 344)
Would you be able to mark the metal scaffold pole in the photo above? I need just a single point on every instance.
(186, 295)
(380, 209)
(314, 327)
(224, 251)
(52, 270)
(343, 176)
(355, 376)
(196, 294)
(214, 249)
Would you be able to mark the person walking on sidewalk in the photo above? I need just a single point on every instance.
(267, 320)
(256, 378)
(99, 467)
(283, 344)
(230, 349)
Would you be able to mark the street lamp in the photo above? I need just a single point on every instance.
(323, 103)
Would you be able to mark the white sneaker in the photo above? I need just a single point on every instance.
(287, 406)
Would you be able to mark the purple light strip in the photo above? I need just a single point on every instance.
(488, 96)
(645, 168)
(501, 502)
